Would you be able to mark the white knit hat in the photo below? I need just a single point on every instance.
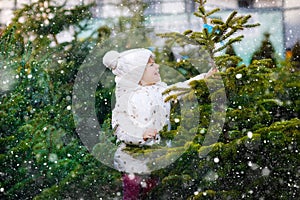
(129, 65)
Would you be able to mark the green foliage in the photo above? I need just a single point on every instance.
(296, 52)
(13, 51)
(230, 59)
(42, 157)
(257, 147)
(45, 19)
(232, 170)
(42, 21)
(295, 59)
(131, 24)
(230, 50)
(265, 51)
(213, 34)
(41, 154)
(104, 33)
(136, 20)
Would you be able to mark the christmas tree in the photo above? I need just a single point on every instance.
(265, 51)
(42, 156)
(261, 122)
(295, 59)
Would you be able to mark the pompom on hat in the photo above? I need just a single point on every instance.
(128, 65)
(110, 59)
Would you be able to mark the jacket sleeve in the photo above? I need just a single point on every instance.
(133, 120)
(184, 84)
(125, 130)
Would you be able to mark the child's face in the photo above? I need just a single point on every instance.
(151, 74)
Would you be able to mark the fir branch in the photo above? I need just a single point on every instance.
(175, 96)
(245, 19)
(235, 21)
(171, 97)
(174, 88)
(227, 35)
(231, 16)
(180, 91)
(216, 32)
(187, 32)
(251, 25)
(202, 10)
(217, 21)
(195, 35)
(231, 41)
(178, 37)
(205, 33)
(212, 12)
(199, 39)
(201, 2)
(198, 14)
(223, 60)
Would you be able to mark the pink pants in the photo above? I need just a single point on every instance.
(136, 187)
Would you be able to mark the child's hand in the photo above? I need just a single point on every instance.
(149, 134)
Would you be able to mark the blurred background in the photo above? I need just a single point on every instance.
(279, 16)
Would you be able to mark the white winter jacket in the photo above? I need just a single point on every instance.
(136, 110)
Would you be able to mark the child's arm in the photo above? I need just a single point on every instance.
(185, 84)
